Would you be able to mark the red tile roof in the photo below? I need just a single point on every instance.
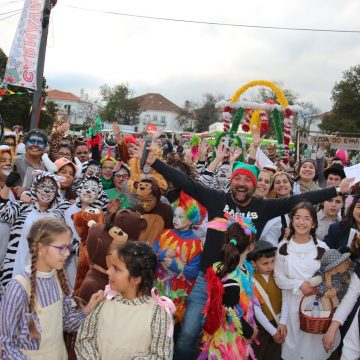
(154, 101)
(61, 95)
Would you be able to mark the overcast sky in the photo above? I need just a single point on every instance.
(184, 61)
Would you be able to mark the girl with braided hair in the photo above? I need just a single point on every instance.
(133, 322)
(297, 260)
(37, 305)
(229, 326)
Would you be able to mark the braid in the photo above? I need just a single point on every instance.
(283, 248)
(34, 333)
(65, 288)
(320, 250)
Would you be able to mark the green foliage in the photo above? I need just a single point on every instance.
(207, 113)
(345, 96)
(15, 109)
(48, 115)
(119, 107)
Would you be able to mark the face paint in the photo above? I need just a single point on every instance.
(180, 221)
(46, 190)
(222, 175)
(5, 163)
(89, 191)
(35, 140)
(92, 170)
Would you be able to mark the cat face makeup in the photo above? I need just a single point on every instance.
(46, 190)
(89, 191)
(5, 163)
(92, 170)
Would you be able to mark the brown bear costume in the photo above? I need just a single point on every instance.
(121, 225)
(81, 219)
(159, 215)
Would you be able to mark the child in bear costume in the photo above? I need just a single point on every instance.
(122, 225)
(80, 220)
(158, 215)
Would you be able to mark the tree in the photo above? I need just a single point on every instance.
(266, 94)
(119, 105)
(305, 116)
(16, 109)
(345, 96)
(187, 116)
(48, 115)
(207, 113)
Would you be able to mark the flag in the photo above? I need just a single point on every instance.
(21, 68)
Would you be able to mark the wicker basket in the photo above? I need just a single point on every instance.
(315, 325)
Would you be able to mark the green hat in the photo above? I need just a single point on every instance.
(252, 171)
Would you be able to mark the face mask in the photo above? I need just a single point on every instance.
(46, 191)
(89, 191)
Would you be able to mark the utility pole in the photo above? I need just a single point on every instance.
(37, 104)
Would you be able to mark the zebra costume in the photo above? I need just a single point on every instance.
(21, 216)
(100, 203)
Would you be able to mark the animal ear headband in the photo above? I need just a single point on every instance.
(222, 224)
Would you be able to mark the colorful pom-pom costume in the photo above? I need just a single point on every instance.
(176, 279)
(229, 306)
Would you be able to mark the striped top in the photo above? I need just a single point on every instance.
(14, 314)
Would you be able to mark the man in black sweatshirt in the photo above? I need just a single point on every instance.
(239, 200)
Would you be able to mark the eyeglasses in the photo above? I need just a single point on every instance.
(10, 144)
(108, 168)
(36, 141)
(62, 249)
(125, 176)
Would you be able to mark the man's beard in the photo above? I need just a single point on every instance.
(247, 195)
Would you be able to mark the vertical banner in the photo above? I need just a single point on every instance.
(21, 68)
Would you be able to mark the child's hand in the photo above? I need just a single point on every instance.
(277, 338)
(170, 253)
(95, 299)
(168, 261)
(281, 332)
(306, 289)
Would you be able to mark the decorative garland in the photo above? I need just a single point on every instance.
(278, 92)
(257, 116)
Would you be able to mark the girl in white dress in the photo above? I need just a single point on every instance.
(298, 258)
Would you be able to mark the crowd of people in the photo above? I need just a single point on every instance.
(112, 249)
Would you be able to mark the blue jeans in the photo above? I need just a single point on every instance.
(186, 345)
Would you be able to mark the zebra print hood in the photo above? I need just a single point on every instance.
(38, 175)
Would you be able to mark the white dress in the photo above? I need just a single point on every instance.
(290, 272)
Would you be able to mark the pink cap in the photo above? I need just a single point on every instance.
(59, 163)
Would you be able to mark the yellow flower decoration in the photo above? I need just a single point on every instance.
(280, 96)
(255, 120)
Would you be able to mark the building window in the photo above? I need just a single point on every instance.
(155, 117)
(67, 108)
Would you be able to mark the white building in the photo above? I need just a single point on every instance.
(157, 110)
(78, 109)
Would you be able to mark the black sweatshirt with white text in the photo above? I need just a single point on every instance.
(218, 202)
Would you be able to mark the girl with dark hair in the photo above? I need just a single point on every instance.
(306, 180)
(298, 258)
(37, 305)
(341, 235)
(131, 323)
(229, 323)
(276, 228)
